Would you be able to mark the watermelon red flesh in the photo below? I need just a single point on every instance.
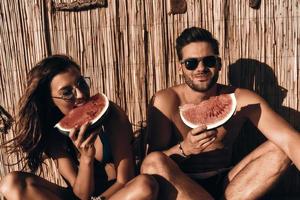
(85, 113)
(209, 111)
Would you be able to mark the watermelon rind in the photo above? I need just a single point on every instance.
(93, 122)
(216, 124)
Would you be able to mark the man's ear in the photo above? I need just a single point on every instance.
(179, 67)
(219, 63)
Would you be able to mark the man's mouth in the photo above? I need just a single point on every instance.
(202, 77)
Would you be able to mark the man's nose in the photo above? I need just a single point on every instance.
(201, 67)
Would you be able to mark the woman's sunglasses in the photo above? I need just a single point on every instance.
(208, 61)
(69, 94)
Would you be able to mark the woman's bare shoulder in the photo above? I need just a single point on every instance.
(116, 118)
(115, 112)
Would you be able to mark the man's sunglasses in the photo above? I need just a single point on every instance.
(207, 61)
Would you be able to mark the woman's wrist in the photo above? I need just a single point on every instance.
(86, 159)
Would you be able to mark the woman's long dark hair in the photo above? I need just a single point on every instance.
(37, 113)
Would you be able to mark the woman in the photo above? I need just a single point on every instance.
(55, 86)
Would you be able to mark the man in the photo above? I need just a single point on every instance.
(201, 165)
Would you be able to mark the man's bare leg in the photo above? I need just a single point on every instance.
(256, 173)
(173, 183)
(142, 187)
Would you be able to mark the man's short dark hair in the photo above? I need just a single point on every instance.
(195, 34)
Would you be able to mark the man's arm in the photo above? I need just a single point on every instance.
(159, 125)
(162, 109)
(272, 125)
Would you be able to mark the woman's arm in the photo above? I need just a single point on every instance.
(81, 178)
(120, 136)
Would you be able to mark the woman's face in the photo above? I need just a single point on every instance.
(68, 84)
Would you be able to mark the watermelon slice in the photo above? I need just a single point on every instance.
(92, 111)
(213, 112)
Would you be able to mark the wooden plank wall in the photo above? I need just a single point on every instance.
(128, 49)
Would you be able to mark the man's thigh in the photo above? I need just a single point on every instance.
(254, 175)
(215, 185)
(267, 150)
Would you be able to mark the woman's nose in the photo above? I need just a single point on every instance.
(79, 94)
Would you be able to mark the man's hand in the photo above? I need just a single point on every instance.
(197, 140)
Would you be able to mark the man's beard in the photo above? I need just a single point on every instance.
(201, 87)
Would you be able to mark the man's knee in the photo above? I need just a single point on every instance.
(147, 185)
(155, 163)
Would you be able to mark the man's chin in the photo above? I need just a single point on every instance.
(198, 88)
(201, 86)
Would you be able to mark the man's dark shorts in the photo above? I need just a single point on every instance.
(215, 185)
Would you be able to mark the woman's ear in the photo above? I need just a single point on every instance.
(50, 100)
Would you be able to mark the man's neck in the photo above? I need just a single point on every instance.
(194, 96)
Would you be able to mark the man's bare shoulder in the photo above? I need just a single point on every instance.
(169, 96)
(246, 97)
(243, 96)
(167, 99)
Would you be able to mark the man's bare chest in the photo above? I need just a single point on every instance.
(226, 134)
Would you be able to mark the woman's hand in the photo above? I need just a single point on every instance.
(197, 140)
(84, 141)
(84, 144)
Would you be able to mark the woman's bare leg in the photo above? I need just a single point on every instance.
(22, 185)
(26, 186)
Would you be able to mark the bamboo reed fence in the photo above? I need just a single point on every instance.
(127, 47)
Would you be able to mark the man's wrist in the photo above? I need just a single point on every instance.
(181, 150)
(98, 198)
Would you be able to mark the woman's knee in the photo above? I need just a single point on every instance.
(14, 182)
(147, 186)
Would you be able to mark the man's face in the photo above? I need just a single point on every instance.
(202, 78)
